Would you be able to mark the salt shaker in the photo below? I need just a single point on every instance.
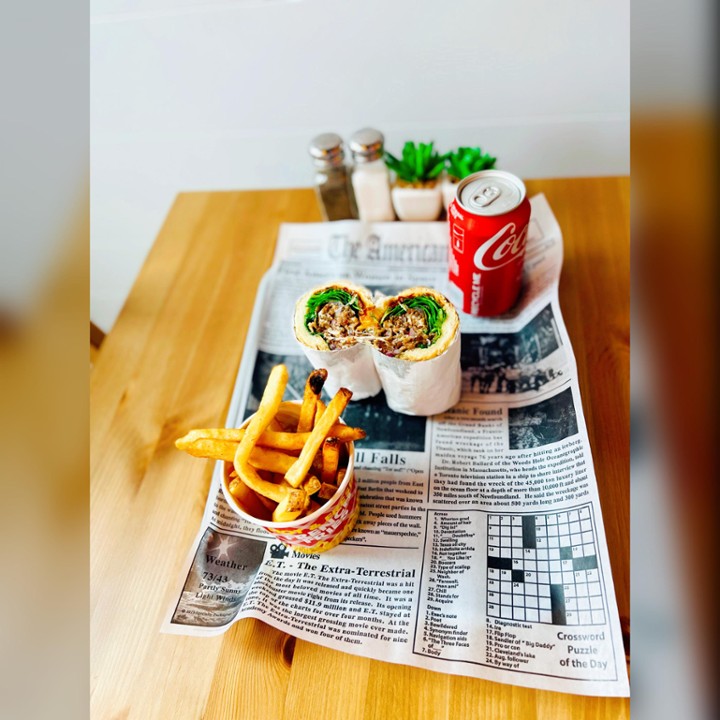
(332, 183)
(370, 177)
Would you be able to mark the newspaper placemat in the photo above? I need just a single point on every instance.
(480, 549)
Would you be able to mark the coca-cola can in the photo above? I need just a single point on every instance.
(488, 219)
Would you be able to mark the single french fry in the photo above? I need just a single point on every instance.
(269, 404)
(331, 415)
(313, 388)
(311, 485)
(319, 410)
(330, 458)
(288, 509)
(263, 458)
(209, 448)
(341, 476)
(327, 490)
(229, 434)
(307, 414)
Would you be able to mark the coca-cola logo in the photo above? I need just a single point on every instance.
(501, 249)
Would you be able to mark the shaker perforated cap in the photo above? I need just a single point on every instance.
(326, 150)
(367, 145)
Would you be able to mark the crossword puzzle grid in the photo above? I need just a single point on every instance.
(544, 568)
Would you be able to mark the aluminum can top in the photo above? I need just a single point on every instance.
(490, 192)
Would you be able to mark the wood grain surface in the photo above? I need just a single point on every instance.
(170, 363)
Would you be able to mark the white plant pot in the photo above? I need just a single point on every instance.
(448, 189)
(417, 204)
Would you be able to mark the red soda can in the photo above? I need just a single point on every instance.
(488, 219)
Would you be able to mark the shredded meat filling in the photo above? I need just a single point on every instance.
(404, 332)
(340, 327)
(337, 323)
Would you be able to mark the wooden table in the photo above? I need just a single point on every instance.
(170, 363)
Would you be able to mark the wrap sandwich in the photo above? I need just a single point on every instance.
(418, 339)
(331, 323)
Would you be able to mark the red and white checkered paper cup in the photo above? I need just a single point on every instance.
(326, 527)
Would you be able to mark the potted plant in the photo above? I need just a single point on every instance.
(416, 193)
(460, 163)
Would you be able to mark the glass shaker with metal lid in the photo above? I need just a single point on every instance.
(370, 177)
(332, 183)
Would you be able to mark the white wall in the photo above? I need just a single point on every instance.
(221, 94)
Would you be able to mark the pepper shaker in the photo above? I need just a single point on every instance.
(332, 183)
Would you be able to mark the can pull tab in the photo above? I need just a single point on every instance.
(487, 195)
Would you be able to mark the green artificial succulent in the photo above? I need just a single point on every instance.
(468, 160)
(420, 163)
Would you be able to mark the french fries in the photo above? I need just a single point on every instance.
(279, 440)
(313, 388)
(330, 458)
(332, 413)
(285, 463)
(260, 458)
(269, 404)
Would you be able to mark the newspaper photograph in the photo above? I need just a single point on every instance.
(480, 548)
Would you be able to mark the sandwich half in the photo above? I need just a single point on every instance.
(418, 352)
(330, 323)
(418, 324)
(334, 316)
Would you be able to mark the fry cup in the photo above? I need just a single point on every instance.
(323, 529)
